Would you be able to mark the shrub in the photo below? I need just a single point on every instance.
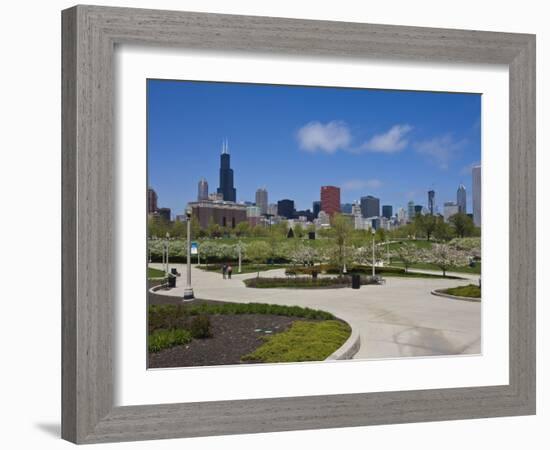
(298, 282)
(161, 339)
(200, 327)
(303, 341)
(470, 290)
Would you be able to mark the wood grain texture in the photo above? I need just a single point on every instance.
(89, 36)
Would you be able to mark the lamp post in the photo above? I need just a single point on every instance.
(239, 247)
(373, 256)
(167, 248)
(188, 292)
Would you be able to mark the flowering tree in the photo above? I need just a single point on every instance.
(470, 245)
(408, 254)
(363, 255)
(304, 255)
(257, 252)
(445, 256)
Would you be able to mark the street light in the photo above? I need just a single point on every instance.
(167, 243)
(240, 256)
(188, 292)
(373, 257)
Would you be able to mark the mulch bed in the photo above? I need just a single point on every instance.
(233, 336)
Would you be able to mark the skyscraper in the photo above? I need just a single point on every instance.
(370, 206)
(203, 190)
(345, 208)
(410, 210)
(387, 211)
(461, 198)
(152, 201)
(330, 199)
(431, 202)
(285, 208)
(417, 210)
(316, 208)
(261, 200)
(226, 175)
(476, 194)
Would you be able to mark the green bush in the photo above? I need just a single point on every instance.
(168, 316)
(298, 282)
(161, 339)
(200, 327)
(303, 341)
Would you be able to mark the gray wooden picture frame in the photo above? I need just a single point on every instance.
(90, 34)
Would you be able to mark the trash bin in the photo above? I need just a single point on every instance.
(314, 274)
(171, 281)
(174, 271)
(355, 281)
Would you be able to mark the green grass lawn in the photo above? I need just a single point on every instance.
(464, 269)
(471, 290)
(154, 273)
(303, 341)
(245, 268)
(161, 339)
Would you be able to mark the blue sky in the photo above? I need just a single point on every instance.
(395, 145)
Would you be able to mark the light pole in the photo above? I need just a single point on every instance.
(239, 247)
(373, 256)
(188, 292)
(167, 248)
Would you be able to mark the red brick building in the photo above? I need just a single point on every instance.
(330, 199)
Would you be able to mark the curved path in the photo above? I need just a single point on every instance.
(398, 319)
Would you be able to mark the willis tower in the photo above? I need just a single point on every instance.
(226, 188)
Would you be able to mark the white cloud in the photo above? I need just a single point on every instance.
(391, 141)
(328, 138)
(440, 150)
(467, 170)
(356, 185)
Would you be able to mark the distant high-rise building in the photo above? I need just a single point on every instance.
(461, 198)
(261, 200)
(449, 210)
(316, 208)
(356, 209)
(345, 208)
(431, 202)
(330, 199)
(417, 209)
(165, 214)
(272, 209)
(476, 195)
(203, 190)
(387, 211)
(285, 208)
(226, 175)
(410, 210)
(370, 206)
(401, 215)
(152, 201)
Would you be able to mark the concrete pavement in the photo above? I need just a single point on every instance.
(398, 319)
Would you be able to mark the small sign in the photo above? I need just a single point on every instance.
(194, 248)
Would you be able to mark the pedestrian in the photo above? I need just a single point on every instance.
(224, 271)
(229, 271)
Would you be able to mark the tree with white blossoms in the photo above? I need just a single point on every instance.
(209, 250)
(363, 255)
(445, 257)
(304, 255)
(408, 254)
(257, 252)
(470, 245)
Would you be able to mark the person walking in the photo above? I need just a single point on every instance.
(224, 271)
(229, 271)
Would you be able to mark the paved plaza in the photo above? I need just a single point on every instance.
(398, 319)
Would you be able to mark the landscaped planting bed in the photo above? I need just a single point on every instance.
(218, 333)
(471, 290)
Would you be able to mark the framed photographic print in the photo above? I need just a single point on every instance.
(277, 224)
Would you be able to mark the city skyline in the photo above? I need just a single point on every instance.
(396, 166)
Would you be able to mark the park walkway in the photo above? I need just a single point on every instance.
(398, 319)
